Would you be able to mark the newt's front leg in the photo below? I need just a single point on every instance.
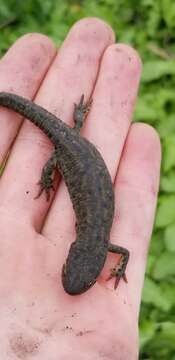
(119, 270)
(47, 176)
(46, 182)
(80, 112)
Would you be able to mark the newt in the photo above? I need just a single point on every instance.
(90, 188)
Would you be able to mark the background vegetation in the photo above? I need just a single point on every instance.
(150, 28)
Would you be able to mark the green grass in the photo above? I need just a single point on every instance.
(150, 28)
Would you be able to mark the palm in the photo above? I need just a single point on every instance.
(38, 317)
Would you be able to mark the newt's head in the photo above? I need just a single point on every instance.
(82, 268)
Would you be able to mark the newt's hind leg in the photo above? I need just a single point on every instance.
(80, 112)
(119, 270)
(47, 176)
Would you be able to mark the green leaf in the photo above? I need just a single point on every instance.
(147, 331)
(146, 110)
(164, 341)
(152, 294)
(157, 243)
(166, 125)
(169, 152)
(168, 12)
(168, 290)
(167, 182)
(166, 211)
(165, 266)
(168, 331)
(169, 238)
(155, 69)
(150, 264)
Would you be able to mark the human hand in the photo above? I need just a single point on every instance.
(38, 319)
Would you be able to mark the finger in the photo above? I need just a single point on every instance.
(22, 69)
(136, 188)
(114, 99)
(73, 72)
(107, 127)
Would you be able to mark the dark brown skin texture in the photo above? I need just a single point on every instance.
(90, 189)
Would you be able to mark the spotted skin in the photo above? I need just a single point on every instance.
(90, 189)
